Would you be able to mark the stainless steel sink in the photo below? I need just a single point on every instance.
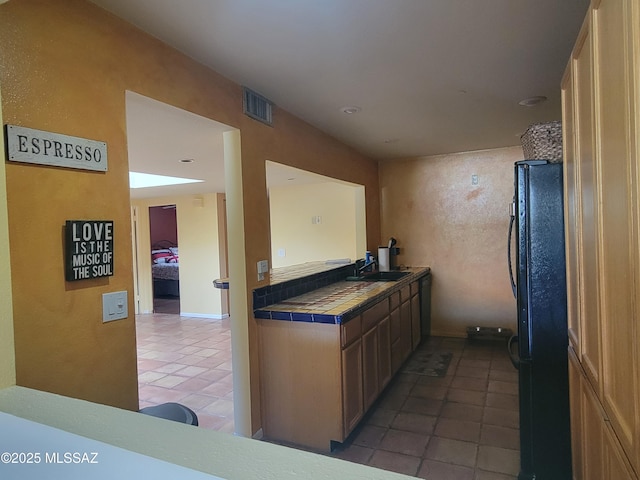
(379, 277)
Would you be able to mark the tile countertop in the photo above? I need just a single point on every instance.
(294, 272)
(338, 302)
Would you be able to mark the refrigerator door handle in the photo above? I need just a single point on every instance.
(510, 241)
(515, 359)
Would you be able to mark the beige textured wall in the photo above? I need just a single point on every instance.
(65, 68)
(458, 229)
(200, 263)
(291, 211)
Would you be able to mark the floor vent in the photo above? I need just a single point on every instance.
(256, 106)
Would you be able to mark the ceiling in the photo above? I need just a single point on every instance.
(161, 137)
(429, 76)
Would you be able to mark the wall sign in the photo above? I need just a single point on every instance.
(88, 249)
(46, 148)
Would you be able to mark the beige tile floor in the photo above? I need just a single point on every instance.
(187, 360)
(463, 426)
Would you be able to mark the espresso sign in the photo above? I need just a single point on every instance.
(46, 148)
(88, 249)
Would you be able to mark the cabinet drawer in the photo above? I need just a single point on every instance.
(351, 330)
(372, 316)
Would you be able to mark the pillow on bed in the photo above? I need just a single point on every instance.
(161, 256)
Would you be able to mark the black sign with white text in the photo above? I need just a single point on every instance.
(88, 249)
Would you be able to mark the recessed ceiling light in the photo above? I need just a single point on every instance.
(186, 160)
(144, 180)
(391, 140)
(532, 101)
(350, 110)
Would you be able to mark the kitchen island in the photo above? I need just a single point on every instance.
(327, 354)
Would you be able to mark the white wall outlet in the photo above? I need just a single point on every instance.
(474, 179)
(114, 306)
(316, 220)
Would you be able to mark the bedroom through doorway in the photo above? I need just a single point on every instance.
(163, 233)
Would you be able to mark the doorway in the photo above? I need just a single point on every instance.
(165, 256)
(160, 138)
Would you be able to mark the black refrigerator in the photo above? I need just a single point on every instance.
(538, 279)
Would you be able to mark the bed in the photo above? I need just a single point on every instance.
(165, 269)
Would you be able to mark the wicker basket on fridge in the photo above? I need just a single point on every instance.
(543, 141)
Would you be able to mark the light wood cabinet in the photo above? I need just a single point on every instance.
(587, 205)
(352, 386)
(575, 405)
(395, 330)
(601, 120)
(318, 380)
(597, 450)
(303, 369)
(370, 366)
(618, 218)
(376, 350)
(384, 352)
(571, 212)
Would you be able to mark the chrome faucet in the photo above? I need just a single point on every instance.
(365, 266)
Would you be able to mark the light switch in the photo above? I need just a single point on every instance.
(263, 267)
(114, 306)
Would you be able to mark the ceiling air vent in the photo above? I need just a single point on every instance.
(256, 106)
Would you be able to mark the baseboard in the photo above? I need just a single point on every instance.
(449, 333)
(213, 316)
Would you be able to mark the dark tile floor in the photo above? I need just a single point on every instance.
(463, 426)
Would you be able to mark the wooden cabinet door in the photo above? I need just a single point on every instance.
(395, 327)
(575, 405)
(587, 204)
(603, 456)
(616, 464)
(617, 163)
(405, 330)
(415, 322)
(352, 395)
(571, 208)
(592, 434)
(384, 352)
(370, 367)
